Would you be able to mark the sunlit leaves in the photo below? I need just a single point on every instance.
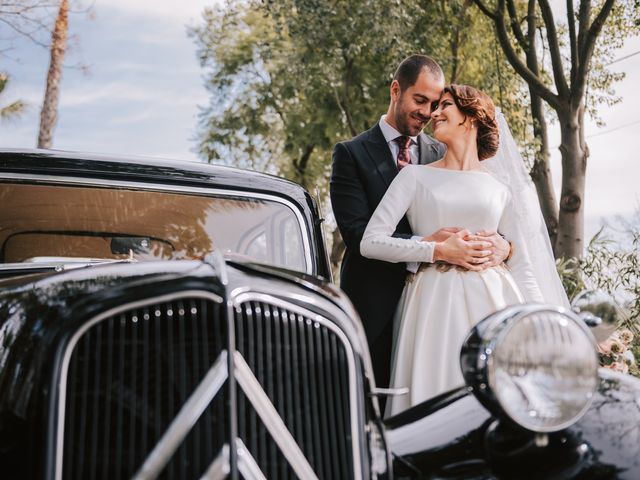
(290, 78)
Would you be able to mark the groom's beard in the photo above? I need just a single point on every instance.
(411, 124)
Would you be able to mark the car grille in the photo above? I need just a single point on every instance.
(130, 373)
(128, 376)
(303, 368)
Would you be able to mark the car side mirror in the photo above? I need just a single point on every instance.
(589, 318)
(599, 311)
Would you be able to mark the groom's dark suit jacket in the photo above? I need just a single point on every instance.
(363, 169)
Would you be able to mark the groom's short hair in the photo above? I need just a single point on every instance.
(409, 69)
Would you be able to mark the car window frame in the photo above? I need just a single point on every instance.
(305, 228)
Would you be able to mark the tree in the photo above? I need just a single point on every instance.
(49, 112)
(587, 44)
(13, 109)
(290, 78)
(282, 90)
(24, 18)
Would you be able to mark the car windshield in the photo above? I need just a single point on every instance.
(46, 223)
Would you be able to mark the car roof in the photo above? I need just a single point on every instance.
(143, 169)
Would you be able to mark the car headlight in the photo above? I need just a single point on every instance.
(536, 364)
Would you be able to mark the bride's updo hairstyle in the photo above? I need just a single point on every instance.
(477, 106)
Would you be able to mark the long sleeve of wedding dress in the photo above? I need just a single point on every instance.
(520, 263)
(377, 241)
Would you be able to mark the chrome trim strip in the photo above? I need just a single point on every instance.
(182, 424)
(389, 392)
(61, 265)
(220, 467)
(216, 259)
(176, 189)
(494, 335)
(247, 465)
(64, 370)
(350, 321)
(323, 231)
(271, 419)
(356, 430)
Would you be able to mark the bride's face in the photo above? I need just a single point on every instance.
(448, 121)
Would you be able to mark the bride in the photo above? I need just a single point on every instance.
(480, 184)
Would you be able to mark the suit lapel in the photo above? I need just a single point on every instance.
(428, 149)
(380, 154)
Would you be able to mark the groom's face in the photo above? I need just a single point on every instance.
(414, 104)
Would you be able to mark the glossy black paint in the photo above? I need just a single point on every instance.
(454, 436)
(40, 312)
(450, 436)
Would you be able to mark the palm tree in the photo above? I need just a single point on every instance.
(12, 109)
(49, 112)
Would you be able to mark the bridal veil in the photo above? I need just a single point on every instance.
(509, 168)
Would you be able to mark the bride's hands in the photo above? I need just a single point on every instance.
(470, 254)
(500, 248)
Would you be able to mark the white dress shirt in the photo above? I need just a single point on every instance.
(390, 134)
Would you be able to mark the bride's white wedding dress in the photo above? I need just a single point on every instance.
(439, 306)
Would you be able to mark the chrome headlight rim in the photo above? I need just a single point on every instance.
(478, 354)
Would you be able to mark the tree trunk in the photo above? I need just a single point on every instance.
(49, 113)
(570, 240)
(337, 250)
(301, 167)
(541, 173)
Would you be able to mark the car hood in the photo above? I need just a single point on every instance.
(39, 311)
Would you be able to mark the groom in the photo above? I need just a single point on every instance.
(362, 170)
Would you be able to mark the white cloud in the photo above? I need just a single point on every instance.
(179, 10)
(98, 93)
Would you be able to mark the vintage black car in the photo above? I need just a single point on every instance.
(175, 320)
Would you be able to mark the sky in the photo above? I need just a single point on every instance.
(140, 93)
(142, 87)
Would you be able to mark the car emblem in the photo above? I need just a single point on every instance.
(197, 403)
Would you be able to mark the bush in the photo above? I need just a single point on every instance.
(613, 268)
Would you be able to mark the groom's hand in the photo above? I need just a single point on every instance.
(441, 235)
(456, 250)
(500, 248)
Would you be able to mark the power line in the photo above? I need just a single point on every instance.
(613, 129)
(622, 58)
(619, 127)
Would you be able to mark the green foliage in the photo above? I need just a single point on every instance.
(469, 53)
(611, 268)
(13, 109)
(290, 78)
